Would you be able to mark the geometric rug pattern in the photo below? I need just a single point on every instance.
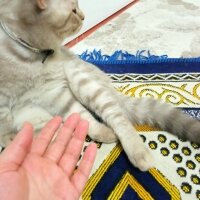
(176, 174)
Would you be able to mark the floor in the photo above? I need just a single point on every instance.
(169, 27)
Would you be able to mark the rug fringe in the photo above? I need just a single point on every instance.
(143, 56)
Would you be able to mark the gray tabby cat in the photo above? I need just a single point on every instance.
(40, 79)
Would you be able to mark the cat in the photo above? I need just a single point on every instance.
(40, 79)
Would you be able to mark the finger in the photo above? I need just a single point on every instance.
(72, 153)
(57, 148)
(42, 141)
(16, 152)
(81, 175)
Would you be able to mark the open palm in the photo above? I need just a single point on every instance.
(40, 169)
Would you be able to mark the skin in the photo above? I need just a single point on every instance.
(36, 168)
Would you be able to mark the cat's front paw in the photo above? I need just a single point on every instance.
(142, 158)
(102, 133)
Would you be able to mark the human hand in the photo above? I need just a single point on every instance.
(36, 169)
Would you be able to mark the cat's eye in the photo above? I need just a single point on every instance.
(74, 10)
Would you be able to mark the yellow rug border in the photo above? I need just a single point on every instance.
(113, 155)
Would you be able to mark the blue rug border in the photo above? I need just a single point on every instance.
(143, 62)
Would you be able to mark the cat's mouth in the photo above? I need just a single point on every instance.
(77, 29)
(78, 14)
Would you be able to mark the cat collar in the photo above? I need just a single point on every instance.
(12, 35)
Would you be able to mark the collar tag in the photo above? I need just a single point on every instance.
(47, 53)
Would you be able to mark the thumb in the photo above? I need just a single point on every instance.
(17, 150)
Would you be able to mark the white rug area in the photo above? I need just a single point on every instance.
(169, 27)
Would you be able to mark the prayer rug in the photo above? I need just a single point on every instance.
(176, 174)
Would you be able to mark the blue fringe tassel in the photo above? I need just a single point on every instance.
(142, 56)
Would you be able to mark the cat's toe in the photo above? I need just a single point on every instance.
(103, 134)
(143, 159)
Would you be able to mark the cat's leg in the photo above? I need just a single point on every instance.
(6, 126)
(133, 145)
(160, 114)
(61, 101)
(102, 100)
(34, 114)
(97, 131)
(13, 122)
(111, 112)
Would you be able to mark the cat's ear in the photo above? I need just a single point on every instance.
(42, 4)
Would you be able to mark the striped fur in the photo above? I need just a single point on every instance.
(35, 92)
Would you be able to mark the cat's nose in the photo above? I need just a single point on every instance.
(82, 17)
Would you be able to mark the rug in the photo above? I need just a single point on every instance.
(95, 19)
(176, 174)
(161, 26)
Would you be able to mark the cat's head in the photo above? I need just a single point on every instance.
(62, 16)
